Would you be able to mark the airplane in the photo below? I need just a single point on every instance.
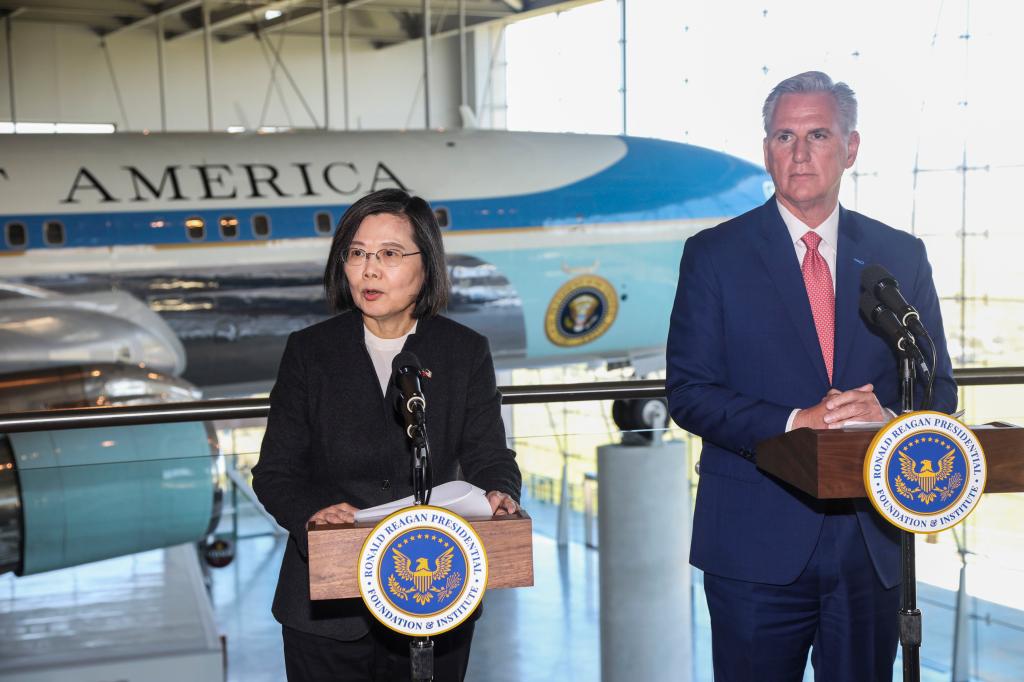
(560, 246)
(134, 266)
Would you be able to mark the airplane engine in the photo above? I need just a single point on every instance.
(43, 328)
(72, 496)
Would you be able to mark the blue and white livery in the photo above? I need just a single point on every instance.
(560, 246)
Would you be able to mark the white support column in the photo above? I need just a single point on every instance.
(622, 44)
(463, 88)
(644, 536)
(161, 72)
(426, 62)
(10, 70)
(344, 61)
(325, 51)
(208, 56)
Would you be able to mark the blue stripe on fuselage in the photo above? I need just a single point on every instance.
(655, 180)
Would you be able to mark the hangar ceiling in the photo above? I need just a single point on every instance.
(382, 22)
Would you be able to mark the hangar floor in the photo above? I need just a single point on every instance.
(549, 632)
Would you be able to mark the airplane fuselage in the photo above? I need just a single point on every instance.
(559, 246)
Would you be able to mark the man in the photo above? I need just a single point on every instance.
(766, 337)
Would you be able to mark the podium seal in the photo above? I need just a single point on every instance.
(925, 472)
(422, 571)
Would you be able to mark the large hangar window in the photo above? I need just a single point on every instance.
(228, 227)
(195, 229)
(15, 235)
(53, 233)
(323, 223)
(260, 226)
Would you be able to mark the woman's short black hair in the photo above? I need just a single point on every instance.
(433, 297)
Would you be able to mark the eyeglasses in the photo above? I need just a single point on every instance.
(389, 258)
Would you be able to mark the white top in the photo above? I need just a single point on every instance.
(383, 353)
(829, 233)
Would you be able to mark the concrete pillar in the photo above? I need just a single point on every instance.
(644, 538)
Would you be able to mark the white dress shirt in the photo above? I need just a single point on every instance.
(828, 231)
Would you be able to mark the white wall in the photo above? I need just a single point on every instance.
(61, 74)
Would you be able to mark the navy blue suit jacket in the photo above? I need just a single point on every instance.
(743, 354)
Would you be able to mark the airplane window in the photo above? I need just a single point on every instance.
(323, 223)
(260, 226)
(16, 235)
(443, 219)
(53, 233)
(228, 227)
(195, 228)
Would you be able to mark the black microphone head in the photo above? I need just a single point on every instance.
(405, 359)
(868, 304)
(878, 315)
(872, 274)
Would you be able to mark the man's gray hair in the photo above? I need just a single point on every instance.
(814, 81)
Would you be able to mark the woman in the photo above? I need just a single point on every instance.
(335, 443)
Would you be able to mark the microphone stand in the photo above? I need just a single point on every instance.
(421, 649)
(909, 614)
(421, 486)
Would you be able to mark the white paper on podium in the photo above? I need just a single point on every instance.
(460, 497)
(875, 426)
(863, 426)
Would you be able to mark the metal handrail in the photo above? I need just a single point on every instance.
(248, 408)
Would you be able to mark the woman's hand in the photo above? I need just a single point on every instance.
(501, 503)
(336, 513)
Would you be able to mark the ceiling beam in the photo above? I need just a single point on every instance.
(80, 11)
(166, 12)
(284, 22)
(514, 5)
(248, 14)
(471, 11)
(538, 8)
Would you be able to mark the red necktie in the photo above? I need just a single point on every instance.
(818, 281)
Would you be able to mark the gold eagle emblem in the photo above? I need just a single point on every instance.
(422, 578)
(927, 479)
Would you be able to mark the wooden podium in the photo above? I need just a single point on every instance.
(334, 552)
(830, 464)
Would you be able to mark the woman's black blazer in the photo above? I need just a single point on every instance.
(331, 437)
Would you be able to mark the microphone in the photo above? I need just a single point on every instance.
(894, 331)
(883, 285)
(405, 370)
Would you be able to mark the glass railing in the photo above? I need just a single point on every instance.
(144, 477)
